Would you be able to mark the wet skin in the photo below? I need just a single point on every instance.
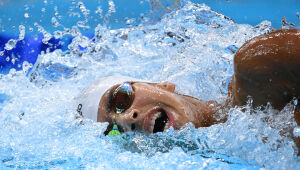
(267, 68)
(151, 98)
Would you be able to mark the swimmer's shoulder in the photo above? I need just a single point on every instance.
(263, 52)
(267, 68)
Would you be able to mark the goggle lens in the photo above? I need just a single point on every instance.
(123, 97)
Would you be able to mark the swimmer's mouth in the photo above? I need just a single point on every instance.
(158, 120)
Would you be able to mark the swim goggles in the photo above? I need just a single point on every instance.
(121, 99)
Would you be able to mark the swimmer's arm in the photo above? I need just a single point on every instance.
(267, 68)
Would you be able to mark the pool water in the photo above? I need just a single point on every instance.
(191, 46)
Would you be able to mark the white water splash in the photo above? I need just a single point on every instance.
(192, 47)
(11, 44)
(46, 35)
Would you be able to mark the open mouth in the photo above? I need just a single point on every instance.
(159, 121)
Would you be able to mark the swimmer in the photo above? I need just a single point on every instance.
(266, 68)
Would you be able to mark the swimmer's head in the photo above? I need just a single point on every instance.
(151, 107)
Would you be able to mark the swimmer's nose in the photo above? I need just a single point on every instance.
(131, 120)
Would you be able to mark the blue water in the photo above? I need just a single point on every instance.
(37, 113)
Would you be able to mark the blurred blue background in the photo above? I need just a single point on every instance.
(114, 14)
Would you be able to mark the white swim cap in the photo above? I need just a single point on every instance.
(87, 102)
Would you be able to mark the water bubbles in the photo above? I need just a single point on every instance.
(10, 44)
(30, 29)
(26, 15)
(43, 10)
(7, 59)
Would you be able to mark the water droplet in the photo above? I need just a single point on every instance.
(58, 34)
(26, 15)
(84, 41)
(22, 32)
(54, 22)
(43, 10)
(83, 9)
(112, 8)
(56, 11)
(1, 53)
(26, 66)
(35, 37)
(129, 21)
(10, 44)
(75, 31)
(47, 37)
(26, 7)
(81, 24)
(13, 60)
(7, 59)
(99, 11)
(30, 29)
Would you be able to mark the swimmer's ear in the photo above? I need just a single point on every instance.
(166, 86)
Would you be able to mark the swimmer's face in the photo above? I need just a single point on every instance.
(153, 107)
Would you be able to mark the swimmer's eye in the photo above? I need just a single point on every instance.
(122, 97)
